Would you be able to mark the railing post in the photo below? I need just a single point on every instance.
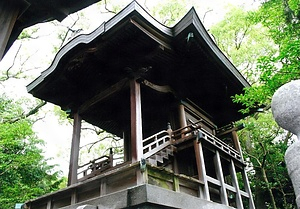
(111, 157)
(220, 176)
(204, 193)
(238, 196)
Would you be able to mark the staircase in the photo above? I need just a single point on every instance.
(162, 157)
(158, 149)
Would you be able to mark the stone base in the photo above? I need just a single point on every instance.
(147, 197)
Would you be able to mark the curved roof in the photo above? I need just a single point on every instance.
(184, 57)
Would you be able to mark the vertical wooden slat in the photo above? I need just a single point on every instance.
(204, 193)
(247, 189)
(49, 204)
(238, 197)
(74, 197)
(103, 187)
(72, 178)
(176, 184)
(220, 176)
(136, 121)
(8, 15)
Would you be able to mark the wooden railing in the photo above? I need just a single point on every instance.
(195, 130)
(156, 143)
(216, 142)
(94, 167)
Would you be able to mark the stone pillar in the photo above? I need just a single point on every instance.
(286, 111)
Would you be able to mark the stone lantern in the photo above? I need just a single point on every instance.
(286, 111)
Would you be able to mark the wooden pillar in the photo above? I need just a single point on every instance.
(182, 119)
(72, 179)
(136, 121)
(9, 11)
(236, 143)
(204, 192)
(220, 176)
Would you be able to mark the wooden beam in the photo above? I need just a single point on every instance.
(136, 121)
(103, 95)
(73, 167)
(8, 15)
(161, 89)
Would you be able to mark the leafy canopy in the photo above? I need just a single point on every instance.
(24, 172)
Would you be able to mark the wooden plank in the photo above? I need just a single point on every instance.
(73, 167)
(103, 95)
(220, 176)
(136, 121)
(238, 197)
(204, 193)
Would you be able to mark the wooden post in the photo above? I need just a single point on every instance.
(204, 193)
(236, 143)
(220, 176)
(247, 189)
(8, 15)
(238, 196)
(72, 179)
(136, 121)
(182, 119)
(74, 197)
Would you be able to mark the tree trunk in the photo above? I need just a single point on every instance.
(261, 192)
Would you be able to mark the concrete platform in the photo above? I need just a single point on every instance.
(147, 197)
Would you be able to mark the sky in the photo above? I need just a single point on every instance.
(38, 54)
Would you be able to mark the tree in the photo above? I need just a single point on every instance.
(264, 145)
(24, 172)
(254, 44)
(243, 41)
(282, 18)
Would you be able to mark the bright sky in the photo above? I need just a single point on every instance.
(58, 136)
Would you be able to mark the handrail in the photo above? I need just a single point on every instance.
(191, 131)
(156, 143)
(93, 161)
(208, 137)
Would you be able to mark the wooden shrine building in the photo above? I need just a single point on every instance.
(167, 93)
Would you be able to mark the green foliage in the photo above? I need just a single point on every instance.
(28, 33)
(283, 23)
(168, 12)
(264, 45)
(243, 40)
(264, 145)
(24, 173)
